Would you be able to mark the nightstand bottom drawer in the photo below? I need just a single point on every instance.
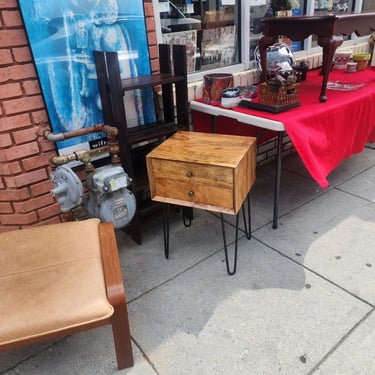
(194, 193)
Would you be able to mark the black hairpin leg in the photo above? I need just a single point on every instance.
(233, 271)
(247, 229)
(166, 228)
(247, 225)
(248, 236)
(187, 215)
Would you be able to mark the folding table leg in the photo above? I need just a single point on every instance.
(277, 180)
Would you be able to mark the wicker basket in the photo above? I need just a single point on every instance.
(361, 64)
(362, 60)
(278, 95)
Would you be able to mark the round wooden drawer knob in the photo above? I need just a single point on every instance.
(191, 193)
(189, 174)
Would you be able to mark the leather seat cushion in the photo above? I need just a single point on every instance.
(51, 279)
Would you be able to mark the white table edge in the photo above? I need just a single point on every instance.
(239, 116)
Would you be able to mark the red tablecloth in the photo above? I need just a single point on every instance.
(326, 133)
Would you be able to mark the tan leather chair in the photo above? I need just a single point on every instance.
(59, 279)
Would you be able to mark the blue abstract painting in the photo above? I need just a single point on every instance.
(63, 35)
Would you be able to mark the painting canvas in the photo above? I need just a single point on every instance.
(63, 35)
(219, 46)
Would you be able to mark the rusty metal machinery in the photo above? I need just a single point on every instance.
(108, 197)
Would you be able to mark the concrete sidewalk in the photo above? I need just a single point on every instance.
(302, 300)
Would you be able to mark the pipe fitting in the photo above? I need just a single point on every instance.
(80, 155)
(53, 137)
(111, 131)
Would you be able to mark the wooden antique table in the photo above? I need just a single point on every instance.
(203, 170)
(328, 28)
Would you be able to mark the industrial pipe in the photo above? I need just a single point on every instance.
(111, 132)
(81, 155)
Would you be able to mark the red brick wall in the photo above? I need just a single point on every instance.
(25, 198)
(151, 33)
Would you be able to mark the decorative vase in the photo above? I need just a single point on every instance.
(213, 86)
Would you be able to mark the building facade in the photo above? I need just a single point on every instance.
(25, 198)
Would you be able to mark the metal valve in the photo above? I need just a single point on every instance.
(68, 189)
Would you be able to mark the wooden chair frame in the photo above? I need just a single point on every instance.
(116, 297)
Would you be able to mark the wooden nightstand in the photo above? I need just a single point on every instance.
(203, 170)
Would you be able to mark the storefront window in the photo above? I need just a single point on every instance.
(333, 6)
(213, 32)
(209, 28)
(266, 8)
(368, 5)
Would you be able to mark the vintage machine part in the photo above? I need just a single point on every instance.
(109, 198)
(68, 189)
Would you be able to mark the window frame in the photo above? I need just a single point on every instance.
(244, 40)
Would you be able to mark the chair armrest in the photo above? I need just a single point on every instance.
(111, 264)
(116, 295)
